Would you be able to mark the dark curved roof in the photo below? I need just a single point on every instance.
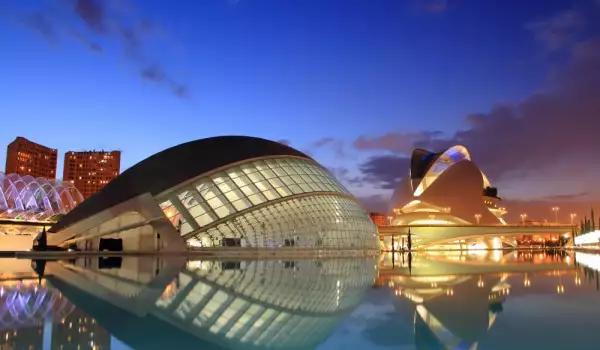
(172, 167)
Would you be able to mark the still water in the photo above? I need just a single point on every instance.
(451, 300)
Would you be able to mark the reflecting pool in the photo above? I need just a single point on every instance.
(441, 300)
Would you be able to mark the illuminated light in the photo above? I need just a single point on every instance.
(39, 200)
(588, 238)
(477, 246)
(589, 260)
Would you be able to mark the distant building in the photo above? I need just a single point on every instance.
(24, 157)
(90, 171)
(378, 219)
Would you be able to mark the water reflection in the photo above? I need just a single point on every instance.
(215, 304)
(456, 297)
(517, 299)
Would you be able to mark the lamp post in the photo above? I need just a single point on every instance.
(555, 210)
(523, 216)
(572, 215)
(477, 217)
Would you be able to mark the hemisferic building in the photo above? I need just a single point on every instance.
(227, 191)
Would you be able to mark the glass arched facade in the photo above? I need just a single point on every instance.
(281, 201)
(266, 304)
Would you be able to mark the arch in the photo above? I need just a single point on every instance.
(12, 197)
(3, 203)
(35, 198)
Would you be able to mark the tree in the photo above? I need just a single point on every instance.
(593, 221)
(586, 224)
(581, 228)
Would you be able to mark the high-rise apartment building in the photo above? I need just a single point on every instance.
(89, 171)
(25, 157)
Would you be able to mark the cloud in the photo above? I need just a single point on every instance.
(397, 142)
(565, 197)
(155, 73)
(376, 203)
(91, 22)
(555, 128)
(344, 176)
(336, 145)
(384, 171)
(557, 31)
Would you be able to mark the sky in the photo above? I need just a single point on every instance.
(356, 84)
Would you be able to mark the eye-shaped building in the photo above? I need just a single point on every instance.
(233, 191)
(445, 188)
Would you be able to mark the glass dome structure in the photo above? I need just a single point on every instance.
(29, 198)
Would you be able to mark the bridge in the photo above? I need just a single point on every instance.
(426, 235)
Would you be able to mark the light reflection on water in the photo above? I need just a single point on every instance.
(439, 300)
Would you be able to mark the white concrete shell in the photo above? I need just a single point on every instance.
(450, 192)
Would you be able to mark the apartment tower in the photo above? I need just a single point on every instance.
(89, 171)
(25, 157)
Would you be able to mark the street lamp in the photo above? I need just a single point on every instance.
(477, 217)
(555, 210)
(523, 216)
(572, 215)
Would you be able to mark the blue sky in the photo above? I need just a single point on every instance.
(296, 70)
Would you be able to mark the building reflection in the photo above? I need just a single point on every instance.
(217, 304)
(33, 315)
(455, 298)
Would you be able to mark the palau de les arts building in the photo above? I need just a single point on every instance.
(231, 191)
(445, 188)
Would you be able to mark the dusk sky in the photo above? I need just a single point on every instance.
(357, 84)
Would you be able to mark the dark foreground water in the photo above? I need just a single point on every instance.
(452, 300)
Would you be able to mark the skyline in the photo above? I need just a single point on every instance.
(356, 85)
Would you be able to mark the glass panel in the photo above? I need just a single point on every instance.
(263, 185)
(249, 190)
(204, 219)
(284, 191)
(254, 177)
(268, 173)
(197, 211)
(242, 204)
(217, 201)
(234, 195)
(226, 185)
(242, 181)
(234, 172)
(271, 194)
(225, 211)
(206, 189)
(276, 182)
(257, 198)
(287, 180)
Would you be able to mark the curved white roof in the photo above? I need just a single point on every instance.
(32, 198)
